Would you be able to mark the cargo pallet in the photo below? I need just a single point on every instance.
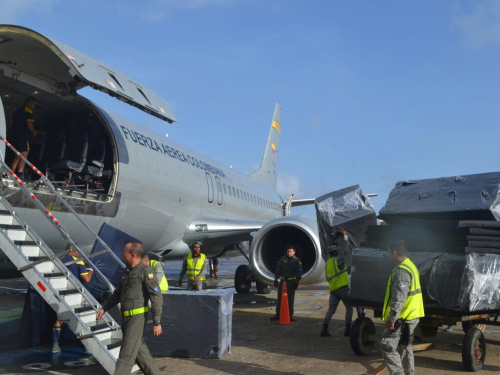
(363, 334)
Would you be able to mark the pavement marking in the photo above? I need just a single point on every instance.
(255, 311)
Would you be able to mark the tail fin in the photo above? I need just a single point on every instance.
(267, 174)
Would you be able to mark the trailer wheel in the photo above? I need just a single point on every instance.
(263, 288)
(468, 324)
(473, 350)
(361, 330)
(242, 282)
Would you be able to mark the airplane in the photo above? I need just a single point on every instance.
(148, 186)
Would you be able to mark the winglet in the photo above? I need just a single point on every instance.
(267, 174)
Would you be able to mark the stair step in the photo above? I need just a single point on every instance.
(6, 217)
(53, 274)
(68, 291)
(11, 226)
(35, 259)
(113, 344)
(26, 243)
(98, 327)
(83, 309)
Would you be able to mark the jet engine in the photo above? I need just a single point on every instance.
(270, 243)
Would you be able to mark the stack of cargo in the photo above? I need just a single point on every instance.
(452, 230)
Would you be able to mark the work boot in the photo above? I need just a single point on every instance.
(347, 331)
(324, 331)
(56, 348)
(273, 318)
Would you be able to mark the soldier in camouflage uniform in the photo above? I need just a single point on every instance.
(403, 306)
(290, 271)
(137, 286)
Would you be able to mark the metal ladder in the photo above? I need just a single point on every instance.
(51, 278)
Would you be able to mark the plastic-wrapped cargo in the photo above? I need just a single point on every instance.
(348, 209)
(454, 282)
(470, 197)
(370, 273)
(478, 276)
(194, 325)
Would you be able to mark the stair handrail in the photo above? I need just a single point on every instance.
(70, 277)
(49, 184)
(56, 223)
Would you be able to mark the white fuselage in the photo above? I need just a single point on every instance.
(164, 186)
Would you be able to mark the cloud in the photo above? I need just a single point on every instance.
(157, 10)
(12, 9)
(480, 25)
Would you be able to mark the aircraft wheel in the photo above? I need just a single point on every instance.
(361, 330)
(473, 350)
(263, 288)
(242, 282)
(468, 324)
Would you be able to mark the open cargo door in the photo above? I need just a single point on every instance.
(53, 66)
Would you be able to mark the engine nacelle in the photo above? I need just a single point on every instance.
(270, 243)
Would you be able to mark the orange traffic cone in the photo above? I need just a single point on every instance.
(284, 311)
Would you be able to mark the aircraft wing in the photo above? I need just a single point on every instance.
(213, 232)
(214, 226)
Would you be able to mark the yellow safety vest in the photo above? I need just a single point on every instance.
(414, 305)
(164, 282)
(336, 278)
(193, 271)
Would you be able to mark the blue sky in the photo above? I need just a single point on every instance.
(372, 92)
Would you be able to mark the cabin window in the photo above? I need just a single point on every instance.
(238, 192)
(225, 191)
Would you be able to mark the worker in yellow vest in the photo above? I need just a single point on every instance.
(338, 280)
(403, 306)
(195, 266)
(159, 272)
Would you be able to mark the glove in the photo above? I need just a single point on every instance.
(296, 285)
(276, 283)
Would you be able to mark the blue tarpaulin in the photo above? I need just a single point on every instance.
(116, 240)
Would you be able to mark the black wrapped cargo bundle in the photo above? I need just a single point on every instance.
(470, 197)
(454, 282)
(348, 209)
(438, 236)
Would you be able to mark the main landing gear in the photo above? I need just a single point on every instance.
(243, 279)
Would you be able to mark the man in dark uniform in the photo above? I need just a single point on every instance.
(22, 127)
(137, 286)
(290, 271)
(81, 272)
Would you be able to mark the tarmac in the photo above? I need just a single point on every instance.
(258, 346)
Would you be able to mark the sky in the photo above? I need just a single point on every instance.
(372, 92)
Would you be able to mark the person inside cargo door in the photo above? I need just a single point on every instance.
(403, 306)
(22, 124)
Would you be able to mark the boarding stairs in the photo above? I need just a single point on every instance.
(43, 268)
